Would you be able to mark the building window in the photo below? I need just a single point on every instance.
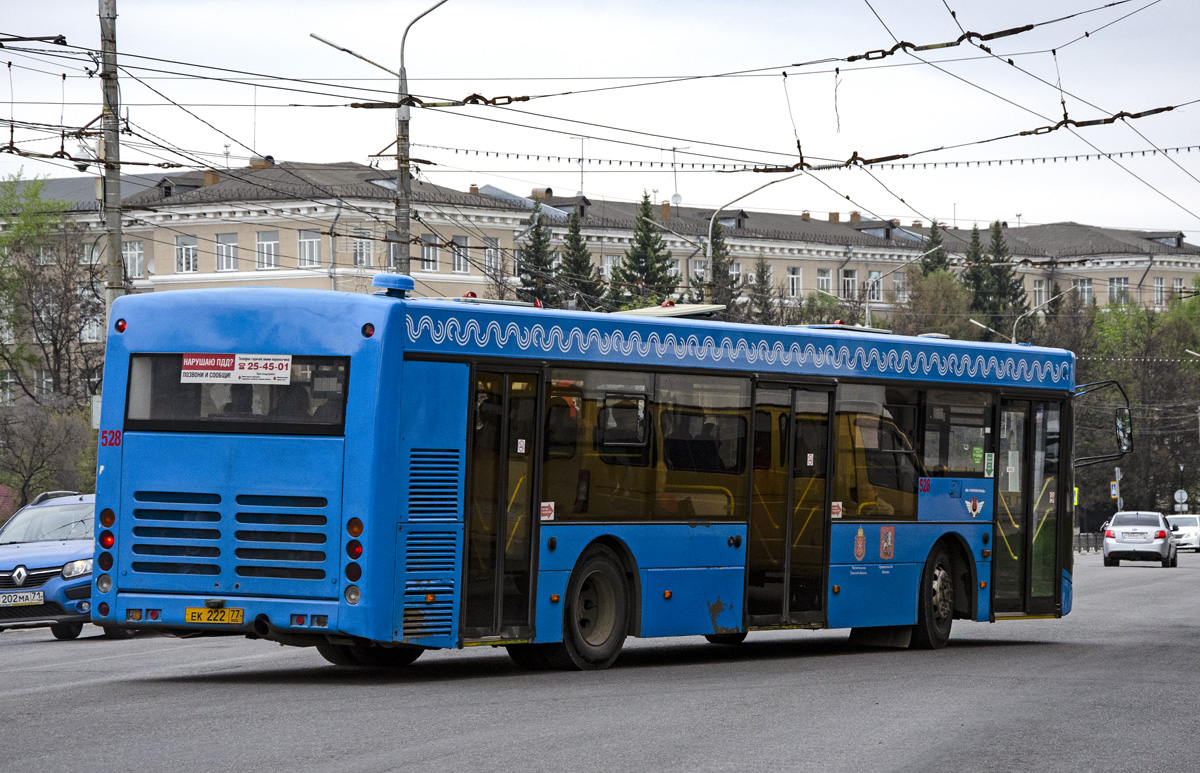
(673, 268)
(900, 286)
(45, 255)
(1039, 292)
(134, 257)
(824, 280)
(850, 283)
(460, 254)
(875, 285)
(1160, 292)
(491, 254)
(1085, 291)
(186, 255)
(43, 381)
(227, 252)
(8, 387)
(91, 306)
(89, 254)
(1177, 286)
(700, 269)
(794, 285)
(610, 266)
(266, 250)
(429, 252)
(308, 249)
(735, 270)
(362, 249)
(1118, 289)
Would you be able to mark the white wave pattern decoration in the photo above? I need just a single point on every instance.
(537, 338)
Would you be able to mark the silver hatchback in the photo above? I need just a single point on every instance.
(1187, 535)
(1139, 536)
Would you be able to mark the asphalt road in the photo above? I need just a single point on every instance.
(1108, 688)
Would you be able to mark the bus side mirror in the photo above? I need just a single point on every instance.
(1124, 430)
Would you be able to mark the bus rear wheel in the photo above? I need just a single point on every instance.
(596, 616)
(935, 602)
(726, 638)
(370, 657)
(66, 631)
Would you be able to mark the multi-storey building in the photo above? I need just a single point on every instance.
(330, 226)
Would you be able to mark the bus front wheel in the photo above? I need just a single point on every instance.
(596, 617)
(935, 602)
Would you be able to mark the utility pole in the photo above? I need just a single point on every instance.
(114, 284)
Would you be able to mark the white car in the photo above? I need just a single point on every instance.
(1139, 536)
(1187, 531)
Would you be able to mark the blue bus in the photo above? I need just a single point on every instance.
(377, 475)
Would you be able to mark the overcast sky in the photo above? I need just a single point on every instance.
(958, 98)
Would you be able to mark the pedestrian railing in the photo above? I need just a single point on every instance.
(1089, 542)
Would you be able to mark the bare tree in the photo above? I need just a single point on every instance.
(51, 299)
(41, 449)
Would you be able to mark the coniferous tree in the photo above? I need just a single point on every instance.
(576, 274)
(1009, 289)
(764, 308)
(720, 285)
(643, 275)
(939, 258)
(536, 276)
(977, 277)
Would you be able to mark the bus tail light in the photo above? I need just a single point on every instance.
(104, 583)
(353, 594)
(354, 549)
(297, 619)
(107, 518)
(353, 572)
(102, 608)
(107, 540)
(120, 326)
(354, 527)
(153, 614)
(134, 615)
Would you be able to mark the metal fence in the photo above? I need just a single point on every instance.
(1089, 542)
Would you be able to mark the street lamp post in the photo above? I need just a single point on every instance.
(713, 219)
(403, 184)
(1017, 321)
(880, 278)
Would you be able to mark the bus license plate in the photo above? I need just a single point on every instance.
(27, 599)
(222, 616)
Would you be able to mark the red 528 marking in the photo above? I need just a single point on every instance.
(110, 437)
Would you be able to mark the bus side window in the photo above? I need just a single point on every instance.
(958, 432)
(877, 466)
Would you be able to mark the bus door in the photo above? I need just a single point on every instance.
(500, 489)
(788, 527)
(1025, 576)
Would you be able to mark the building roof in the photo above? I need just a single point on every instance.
(288, 180)
(80, 192)
(1076, 239)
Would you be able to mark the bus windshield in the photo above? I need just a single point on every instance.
(300, 396)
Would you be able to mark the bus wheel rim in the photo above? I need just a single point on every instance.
(595, 608)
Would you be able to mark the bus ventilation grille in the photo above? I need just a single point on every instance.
(430, 551)
(428, 618)
(434, 480)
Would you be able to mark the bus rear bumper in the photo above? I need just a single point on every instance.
(303, 622)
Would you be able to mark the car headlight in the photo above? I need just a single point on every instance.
(77, 568)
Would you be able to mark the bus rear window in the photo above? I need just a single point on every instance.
(265, 394)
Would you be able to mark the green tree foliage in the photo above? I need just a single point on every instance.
(939, 258)
(815, 309)
(643, 276)
(536, 274)
(764, 299)
(719, 284)
(998, 294)
(577, 276)
(937, 303)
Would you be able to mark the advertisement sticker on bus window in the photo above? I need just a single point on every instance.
(835, 510)
(204, 368)
(200, 368)
(989, 465)
(547, 511)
